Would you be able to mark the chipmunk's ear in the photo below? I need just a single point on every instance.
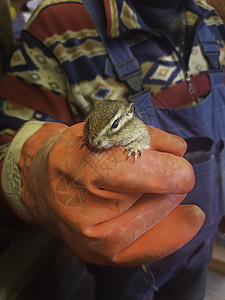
(130, 110)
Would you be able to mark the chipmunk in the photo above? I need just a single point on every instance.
(112, 123)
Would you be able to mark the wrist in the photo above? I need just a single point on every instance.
(11, 171)
(8, 216)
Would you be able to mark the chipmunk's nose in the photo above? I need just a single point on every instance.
(95, 142)
(94, 145)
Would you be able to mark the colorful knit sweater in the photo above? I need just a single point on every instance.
(61, 68)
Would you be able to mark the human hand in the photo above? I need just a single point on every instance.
(107, 208)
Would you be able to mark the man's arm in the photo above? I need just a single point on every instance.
(25, 95)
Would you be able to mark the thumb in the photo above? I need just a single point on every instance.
(166, 142)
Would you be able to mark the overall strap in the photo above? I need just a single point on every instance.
(210, 49)
(126, 66)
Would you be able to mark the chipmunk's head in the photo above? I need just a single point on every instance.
(105, 124)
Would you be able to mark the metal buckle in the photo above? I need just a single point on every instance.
(137, 94)
(125, 73)
(211, 51)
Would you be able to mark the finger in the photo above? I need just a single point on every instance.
(180, 226)
(155, 172)
(121, 231)
(165, 142)
(75, 201)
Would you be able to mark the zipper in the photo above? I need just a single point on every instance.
(189, 85)
(186, 73)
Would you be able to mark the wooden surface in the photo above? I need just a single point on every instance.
(215, 289)
(217, 263)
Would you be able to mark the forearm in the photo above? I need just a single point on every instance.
(25, 102)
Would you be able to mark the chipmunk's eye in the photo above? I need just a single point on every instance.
(115, 124)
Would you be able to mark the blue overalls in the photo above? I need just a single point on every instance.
(181, 275)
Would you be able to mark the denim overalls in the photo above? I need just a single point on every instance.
(181, 275)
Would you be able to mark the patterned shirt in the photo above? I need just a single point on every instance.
(61, 67)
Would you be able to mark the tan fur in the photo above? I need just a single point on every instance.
(131, 132)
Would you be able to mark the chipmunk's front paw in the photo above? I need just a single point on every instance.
(137, 152)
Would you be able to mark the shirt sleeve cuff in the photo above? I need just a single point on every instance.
(11, 181)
